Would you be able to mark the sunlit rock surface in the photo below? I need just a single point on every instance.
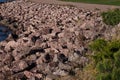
(47, 41)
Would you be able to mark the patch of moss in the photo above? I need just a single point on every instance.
(111, 17)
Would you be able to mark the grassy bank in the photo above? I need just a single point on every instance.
(106, 2)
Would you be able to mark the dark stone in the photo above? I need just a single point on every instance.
(62, 58)
(50, 30)
(59, 23)
(37, 50)
(72, 73)
(14, 36)
(64, 46)
(33, 51)
(78, 52)
(34, 38)
(11, 20)
(24, 78)
(1, 18)
(48, 58)
(31, 66)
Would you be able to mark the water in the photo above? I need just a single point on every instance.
(1, 1)
(4, 32)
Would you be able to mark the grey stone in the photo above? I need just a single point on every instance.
(60, 73)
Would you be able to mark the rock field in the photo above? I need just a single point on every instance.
(48, 41)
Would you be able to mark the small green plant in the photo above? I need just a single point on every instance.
(111, 17)
(106, 59)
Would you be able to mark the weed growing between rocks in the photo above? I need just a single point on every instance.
(111, 17)
(105, 60)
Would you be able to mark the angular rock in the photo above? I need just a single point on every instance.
(60, 73)
(11, 45)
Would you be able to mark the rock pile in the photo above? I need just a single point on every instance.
(48, 41)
